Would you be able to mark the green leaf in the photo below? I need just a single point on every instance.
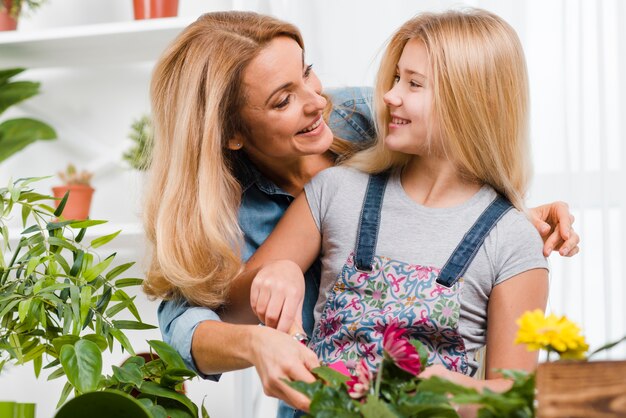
(25, 212)
(115, 309)
(78, 263)
(98, 242)
(67, 389)
(172, 377)
(86, 224)
(37, 363)
(151, 388)
(23, 309)
(85, 302)
(100, 341)
(376, 408)
(118, 270)
(56, 374)
(166, 353)
(330, 375)
(157, 411)
(606, 347)
(81, 235)
(94, 271)
(15, 92)
(6, 75)
(59, 342)
(132, 325)
(82, 364)
(14, 342)
(61, 206)
(128, 282)
(129, 373)
(122, 339)
(203, 410)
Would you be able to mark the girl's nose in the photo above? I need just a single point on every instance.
(391, 98)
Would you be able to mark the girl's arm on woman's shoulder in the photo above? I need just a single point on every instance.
(272, 283)
(508, 301)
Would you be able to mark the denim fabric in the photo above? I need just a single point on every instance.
(465, 252)
(369, 222)
(262, 205)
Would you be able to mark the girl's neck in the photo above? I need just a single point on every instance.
(292, 174)
(436, 182)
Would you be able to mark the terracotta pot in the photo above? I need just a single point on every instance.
(579, 389)
(78, 202)
(6, 21)
(153, 9)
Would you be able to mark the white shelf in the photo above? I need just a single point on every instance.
(92, 45)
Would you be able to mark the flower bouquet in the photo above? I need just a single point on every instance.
(396, 390)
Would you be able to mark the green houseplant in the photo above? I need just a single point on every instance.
(16, 134)
(59, 304)
(138, 156)
(10, 10)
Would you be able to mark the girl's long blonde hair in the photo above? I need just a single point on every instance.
(480, 98)
(192, 198)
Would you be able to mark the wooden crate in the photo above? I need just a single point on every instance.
(581, 389)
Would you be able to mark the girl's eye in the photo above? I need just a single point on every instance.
(396, 79)
(414, 84)
(307, 70)
(284, 103)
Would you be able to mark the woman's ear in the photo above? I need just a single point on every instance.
(235, 143)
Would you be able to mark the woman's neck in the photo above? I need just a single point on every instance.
(292, 174)
(437, 183)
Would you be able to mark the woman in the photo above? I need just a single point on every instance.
(238, 132)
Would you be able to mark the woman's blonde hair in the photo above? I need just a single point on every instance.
(480, 98)
(192, 198)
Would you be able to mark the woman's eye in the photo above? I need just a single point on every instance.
(307, 70)
(396, 79)
(414, 84)
(283, 104)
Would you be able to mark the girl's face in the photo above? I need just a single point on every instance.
(409, 101)
(283, 105)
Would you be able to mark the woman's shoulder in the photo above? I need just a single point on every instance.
(351, 115)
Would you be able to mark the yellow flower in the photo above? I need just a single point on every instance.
(551, 333)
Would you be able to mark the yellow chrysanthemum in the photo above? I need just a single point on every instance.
(551, 333)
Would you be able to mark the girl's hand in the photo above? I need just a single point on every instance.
(554, 223)
(277, 294)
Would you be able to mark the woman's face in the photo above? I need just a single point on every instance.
(283, 105)
(409, 102)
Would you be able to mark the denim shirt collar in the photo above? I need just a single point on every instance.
(248, 175)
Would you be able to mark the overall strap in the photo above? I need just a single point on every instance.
(465, 252)
(369, 222)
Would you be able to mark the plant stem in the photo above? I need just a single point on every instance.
(379, 378)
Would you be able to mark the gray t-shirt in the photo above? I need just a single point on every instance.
(422, 235)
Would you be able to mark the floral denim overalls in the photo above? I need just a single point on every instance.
(371, 291)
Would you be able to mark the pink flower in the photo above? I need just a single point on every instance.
(340, 366)
(359, 385)
(400, 350)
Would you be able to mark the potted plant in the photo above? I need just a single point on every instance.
(10, 10)
(139, 155)
(60, 302)
(77, 187)
(16, 134)
(152, 9)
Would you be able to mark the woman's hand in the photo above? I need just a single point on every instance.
(554, 223)
(279, 356)
(277, 293)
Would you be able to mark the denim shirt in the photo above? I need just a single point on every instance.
(263, 203)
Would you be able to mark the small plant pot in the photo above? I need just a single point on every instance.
(17, 410)
(105, 404)
(580, 389)
(154, 9)
(7, 22)
(78, 202)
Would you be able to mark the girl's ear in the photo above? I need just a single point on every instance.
(235, 143)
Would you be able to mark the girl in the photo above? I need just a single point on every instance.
(427, 227)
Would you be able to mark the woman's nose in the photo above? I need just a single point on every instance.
(315, 102)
